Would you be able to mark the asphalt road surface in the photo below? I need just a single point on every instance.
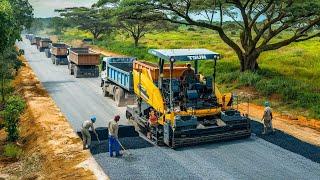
(252, 158)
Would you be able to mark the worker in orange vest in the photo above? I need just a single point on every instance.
(152, 122)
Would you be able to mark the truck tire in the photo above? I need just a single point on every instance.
(119, 97)
(70, 69)
(96, 72)
(105, 91)
(56, 61)
(76, 72)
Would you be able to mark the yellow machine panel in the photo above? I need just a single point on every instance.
(147, 90)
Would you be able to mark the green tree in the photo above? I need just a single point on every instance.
(95, 21)
(58, 24)
(11, 113)
(36, 26)
(136, 27)
(258, 22)
(15, 16)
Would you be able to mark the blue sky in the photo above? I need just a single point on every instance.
(45, 8)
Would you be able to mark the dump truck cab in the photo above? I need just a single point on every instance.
(116, 79)
(189, 112)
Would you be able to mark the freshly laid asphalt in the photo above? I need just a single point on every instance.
(253, 158)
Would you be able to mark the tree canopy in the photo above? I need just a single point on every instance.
(257, 21)
(96, 21)
(136, 27)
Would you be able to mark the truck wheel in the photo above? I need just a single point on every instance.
(76, 72)
(128, 115)
(70, 69)
(105, 92)
(97, 72)
(119, 97)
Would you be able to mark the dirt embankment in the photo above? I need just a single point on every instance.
(46, 133)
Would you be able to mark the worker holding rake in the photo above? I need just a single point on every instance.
(267, 119)
(113, 128)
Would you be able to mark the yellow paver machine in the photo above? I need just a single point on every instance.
(188, 112)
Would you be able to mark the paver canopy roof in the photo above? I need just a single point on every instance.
(184, 54)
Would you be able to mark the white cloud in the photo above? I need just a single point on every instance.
(45, 8)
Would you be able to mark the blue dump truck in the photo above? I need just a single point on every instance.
(59, 53)
(116, 79)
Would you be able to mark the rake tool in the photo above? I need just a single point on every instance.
(126, 153)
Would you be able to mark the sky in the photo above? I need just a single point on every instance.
(45, 8)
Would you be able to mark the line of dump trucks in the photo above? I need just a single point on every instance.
(188, 112)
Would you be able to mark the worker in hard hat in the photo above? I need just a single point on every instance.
(267, 119)
(86, 137)
(113, 128)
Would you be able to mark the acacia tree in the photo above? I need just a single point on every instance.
(58, 24)
(137, 27)
(95, 21)
(259, 21)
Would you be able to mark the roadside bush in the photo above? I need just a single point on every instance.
(266, 87)
(11, 113)
(227, 77)
(12, 151)
(248, 79)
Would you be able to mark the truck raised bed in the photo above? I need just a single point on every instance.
(116, 79)
(43, 44)
(83, 62)
(59, 53)
(34, 40)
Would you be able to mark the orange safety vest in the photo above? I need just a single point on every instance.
(153, 119)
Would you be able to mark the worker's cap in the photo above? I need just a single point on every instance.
(93, 119)
(266, 104)
(117, 118)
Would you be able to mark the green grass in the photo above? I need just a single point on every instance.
(292, 72)
(12, 151)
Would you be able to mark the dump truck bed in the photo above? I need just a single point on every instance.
(154, 70)
(83, 56)
(59, 49)
(44, 43)
(119, 71)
